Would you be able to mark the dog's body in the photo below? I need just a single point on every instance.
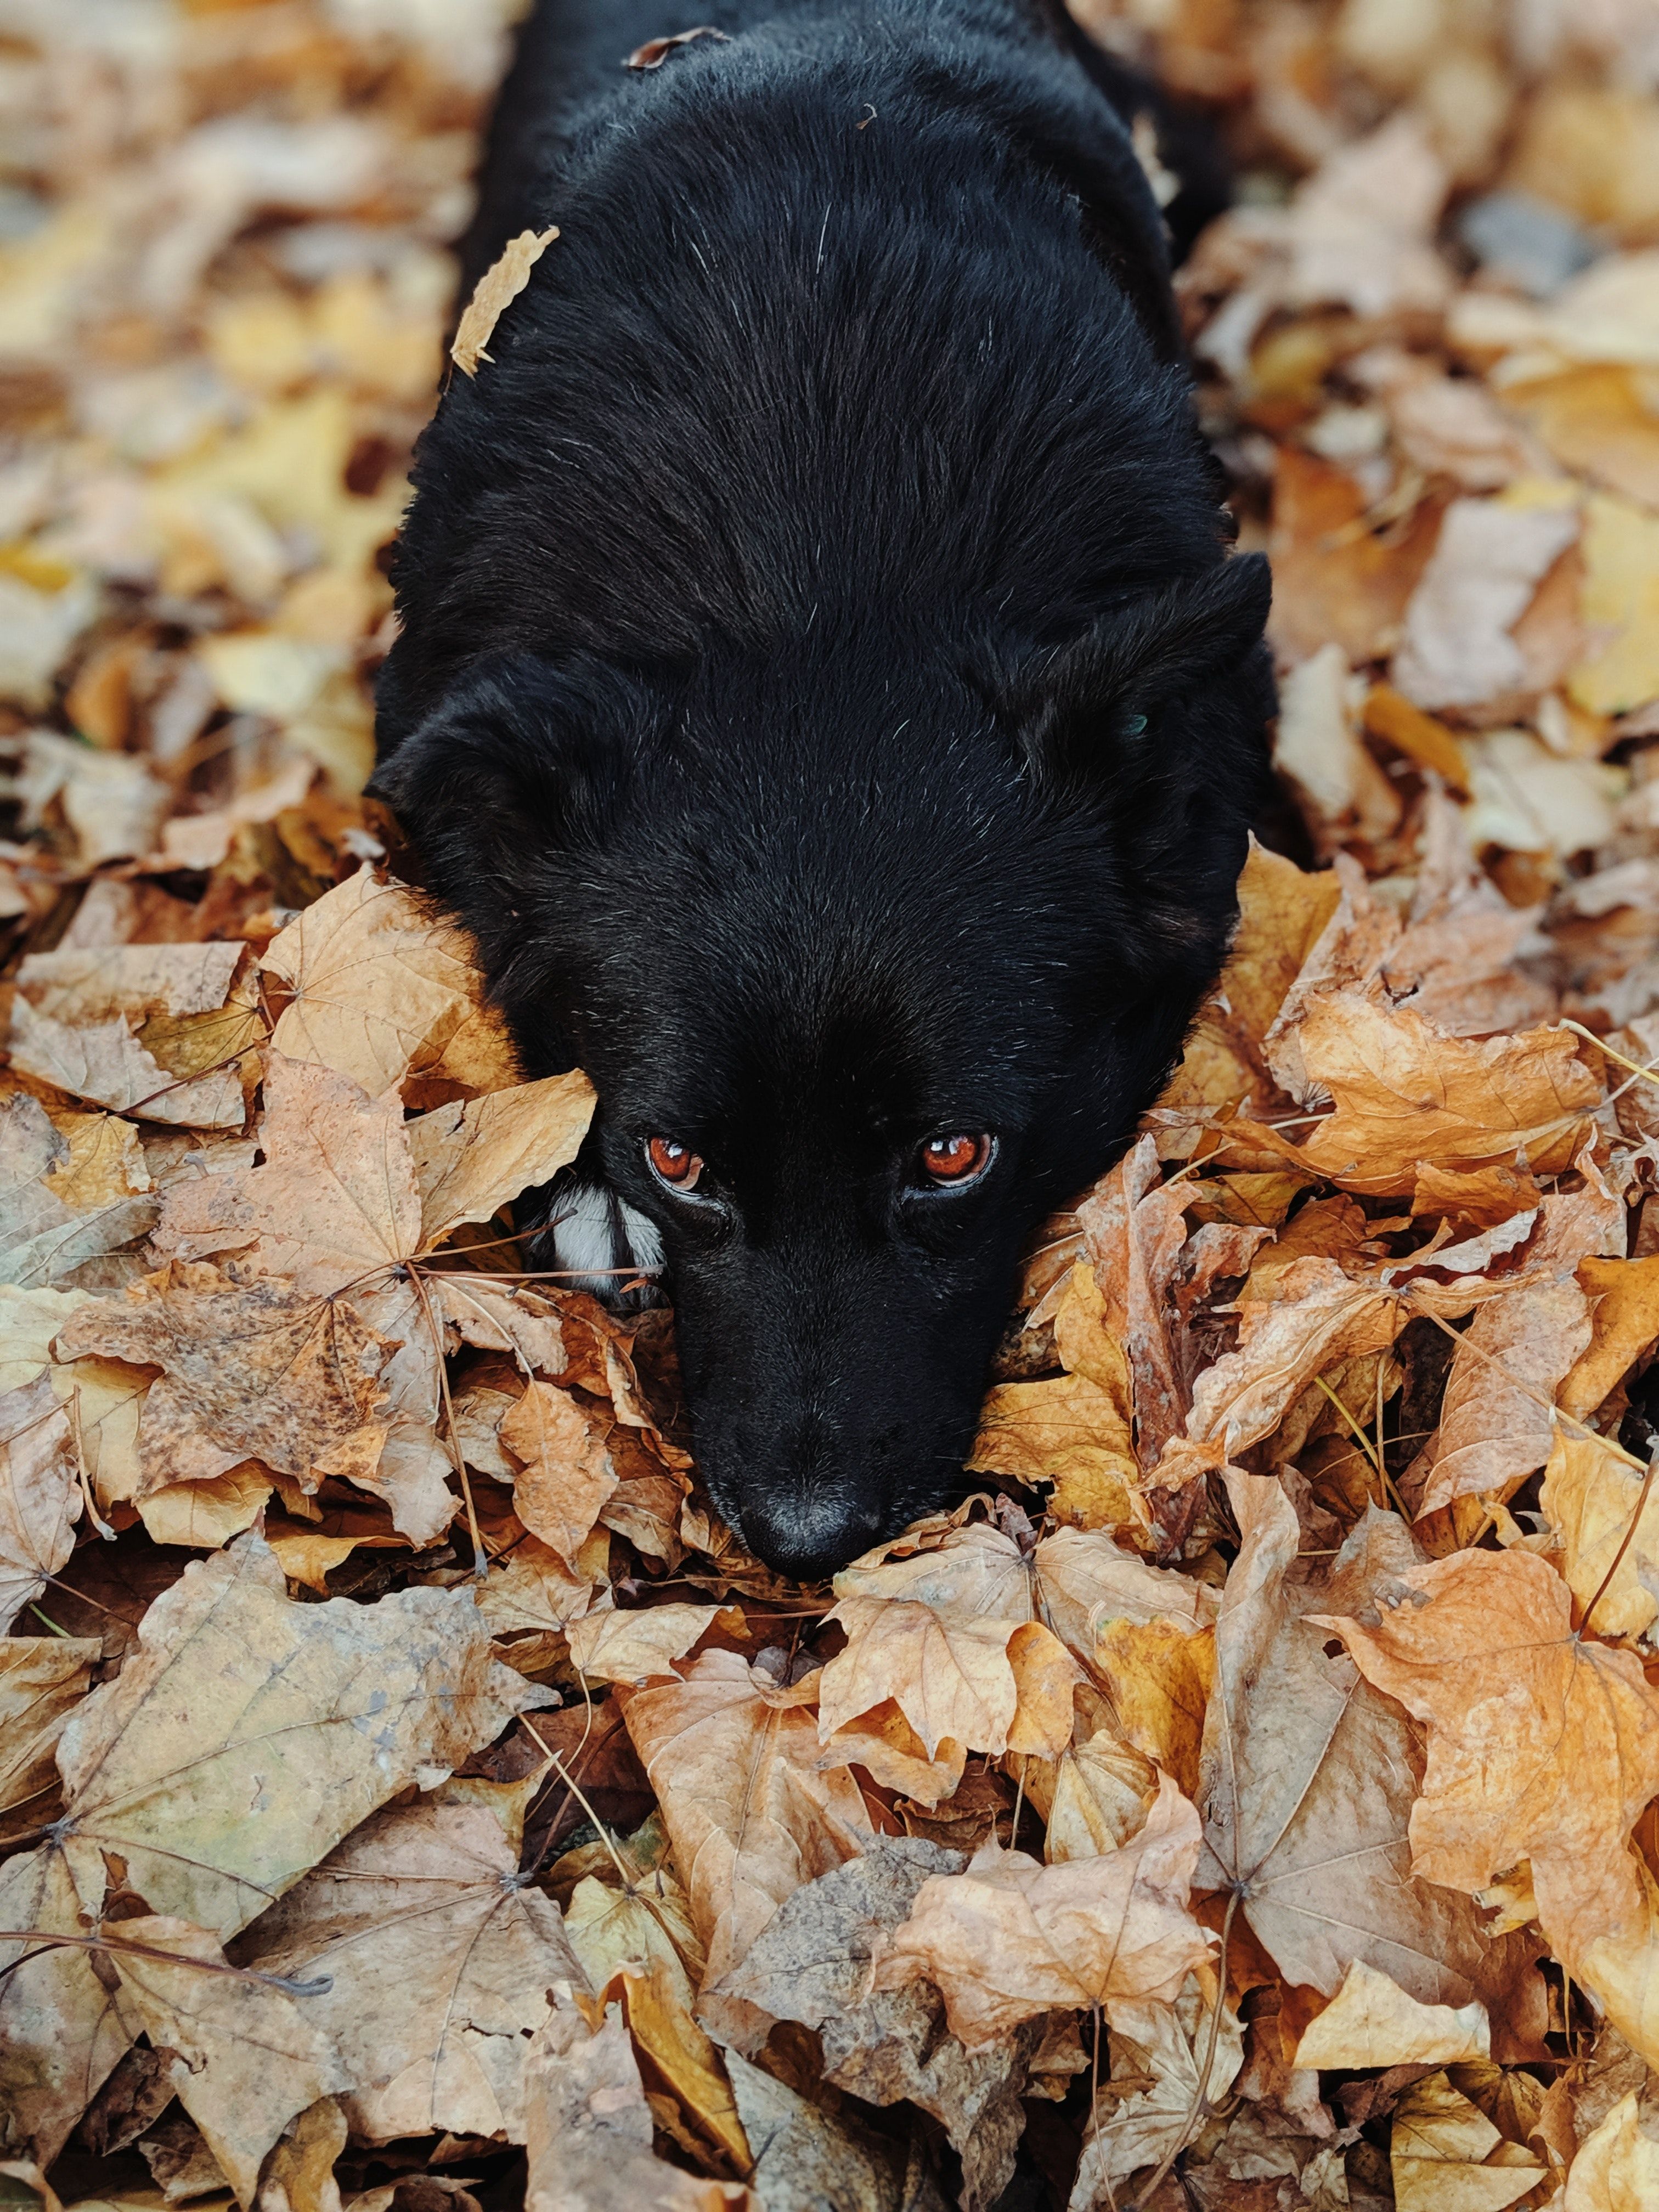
(823, 692)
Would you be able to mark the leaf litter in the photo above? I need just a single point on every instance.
(1246, 1797)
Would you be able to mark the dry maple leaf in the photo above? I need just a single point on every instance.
(61, 2029)
(1008, 1939)
(248, 1733)
(1309, 1780)
(810, 1963)
(44, 1235)
(104, 1061)
(589, 2127)
(1157, 2078)
(90, 983)
(732, 1757)
(439, 1962)
(382, 990)
(40, 1498)
(1134, 1231)
(1625, 1325)
(1495, 1425)
(501, 284)
(1543, 1745)
(1371, 2021)
(1069, 1432)
(471, 1159)
(656, 2002)
(1317, 1315)
(246, 2058)
(1589, 1496)
(252, 1368)
(42, 1679)
(335, 1201)
(1404, 1095)
(1439, 2151)
(803, 2156)
(1617, 2167)
(608, 1646)
(948, 1673)
(565, 1475)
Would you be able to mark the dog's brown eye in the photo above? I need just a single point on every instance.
(959, 1158)
(672, 1163)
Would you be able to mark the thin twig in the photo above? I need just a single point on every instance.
(1624, 1544)
(480, 1557)
(50, 1939)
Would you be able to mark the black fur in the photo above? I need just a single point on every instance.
(822, 687)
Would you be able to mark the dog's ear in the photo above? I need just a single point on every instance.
(1094, 707)
(518, 757)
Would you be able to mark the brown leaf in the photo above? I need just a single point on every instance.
(1134, 1231)
(567, 1475)
(42, 1679)
(1157, 2056)
(248, 2059)
(733, 1760)
(1334, 580)
(45, 1234)
(334, 1202)
(1371, 2021)
(811, 1963)
(382, 991)
(439, 1960)
(1439, 2151)
(248, 1733)
(252, 1369)
(1625, 1325)
(1068, 1431)
(39, 1497)
(471, 1159)
(1317, 1314)
(1404, 1095)
(1481, 1647)
(61, 2031)
(588, 2128)
(90, 983)
(105, 1062)
(1309, 1780)
(1589, 1496)
(1008, 1939)
(948, 1673)
(804, 2156)
(1617, 2168)
(630, 1647)
(497, 289)
(1495, 1421)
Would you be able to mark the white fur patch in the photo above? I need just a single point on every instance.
(597, 1239)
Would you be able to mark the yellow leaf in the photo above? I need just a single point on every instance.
(496, 291)
(1371, 2021)
(1617, 2168)
(1620, 600)
(1439, 2151)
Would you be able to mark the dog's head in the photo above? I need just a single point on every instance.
(874, 958)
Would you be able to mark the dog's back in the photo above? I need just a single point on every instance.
(822, 687)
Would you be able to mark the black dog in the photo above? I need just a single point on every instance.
(824, 693)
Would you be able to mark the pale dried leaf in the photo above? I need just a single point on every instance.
(496, 291)
(440, 1963)
(40, 1497)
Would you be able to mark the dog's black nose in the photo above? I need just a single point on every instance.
(808, 1538)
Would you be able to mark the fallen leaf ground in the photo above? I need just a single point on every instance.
(408, 1791)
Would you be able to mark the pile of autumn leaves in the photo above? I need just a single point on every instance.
(1397, 1759)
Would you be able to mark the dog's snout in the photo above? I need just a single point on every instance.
(808, 1537)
